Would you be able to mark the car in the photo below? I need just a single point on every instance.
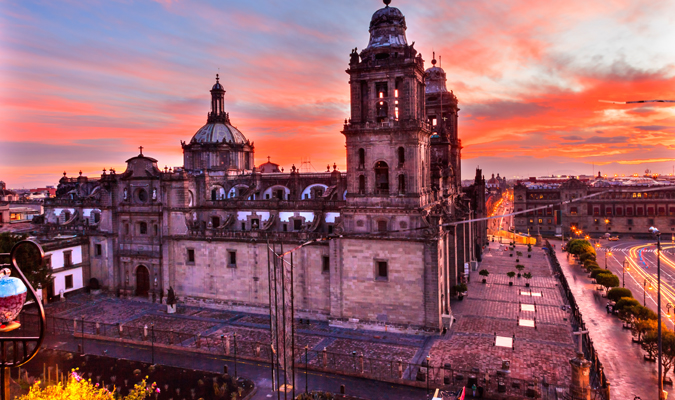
(613, 238)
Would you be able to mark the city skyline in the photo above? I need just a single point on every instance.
(85, 85)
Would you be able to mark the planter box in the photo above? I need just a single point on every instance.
(510, 283)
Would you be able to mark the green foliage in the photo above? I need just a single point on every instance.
(589, 264)
(597, 271)
(520, 267)
(668, 349)
(519, 253)
(650, 343)
(617, 293)
(315, 396)
(484, 272)
(586, 256)
(527, 275)
(511, 274)
(624, 303)
(529, 247)
(608, 280)
(28, 259)
(461, 288)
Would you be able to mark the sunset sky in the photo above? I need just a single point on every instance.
(84, 83)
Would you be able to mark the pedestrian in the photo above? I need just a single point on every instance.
(474, 389)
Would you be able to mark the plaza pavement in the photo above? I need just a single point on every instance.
(495, 308)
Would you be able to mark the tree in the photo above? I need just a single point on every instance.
(668, 350)
(28, 259)
(650, 341)
(527, 276)
(520, 267)
(598, 271)
(484, 273)
(624, 303)
(640, 322)
(608, 280)
(618, 293)
(510, 274)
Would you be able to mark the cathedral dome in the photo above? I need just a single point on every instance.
(387, 28)
(435, 79)
(218, 132)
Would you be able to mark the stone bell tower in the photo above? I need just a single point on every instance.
(388, 134)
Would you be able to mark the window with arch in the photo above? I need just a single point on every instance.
(362, 184)
(362, 158)
(401, 184)
(143, 228)
(401, 156)
(381, 177)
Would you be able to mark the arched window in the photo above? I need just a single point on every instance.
(143, 228)
(362, 158)
(362, 184)
(381, 177)
(401, 184)
(401, 156)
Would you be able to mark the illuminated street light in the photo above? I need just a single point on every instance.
(656, 233)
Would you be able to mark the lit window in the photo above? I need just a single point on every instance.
(395, 92)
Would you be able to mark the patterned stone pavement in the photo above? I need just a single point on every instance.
(495, 308)
(625, 368)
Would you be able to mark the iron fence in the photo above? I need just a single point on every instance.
(441, 375)
(597, 378)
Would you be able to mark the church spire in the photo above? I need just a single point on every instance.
(217, 102)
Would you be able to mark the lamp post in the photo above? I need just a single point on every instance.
(152, 342)
(656, 233)
(644, 293)
(607, 253)
(623, 278)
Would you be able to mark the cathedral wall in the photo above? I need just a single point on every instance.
(360, 294)
(212, 281)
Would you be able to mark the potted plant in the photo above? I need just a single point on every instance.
(461, 290)
(527, 276)
(511, 274)
(484, 273)
(171, 301)
(520, 268)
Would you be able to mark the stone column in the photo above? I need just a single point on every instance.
(580, 387)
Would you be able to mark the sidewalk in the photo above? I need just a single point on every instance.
(625, 369)
(258, 372)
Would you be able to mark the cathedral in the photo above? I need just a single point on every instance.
(387, 240)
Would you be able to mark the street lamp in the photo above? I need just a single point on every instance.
(626, 266)
(644, 293)
(656, 233)
(607, 253)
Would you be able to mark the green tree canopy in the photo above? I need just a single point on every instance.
(608, 280)
(617, 293)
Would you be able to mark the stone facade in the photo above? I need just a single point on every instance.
(378, 248)
(615, 207)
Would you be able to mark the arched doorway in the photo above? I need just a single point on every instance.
(142, 281)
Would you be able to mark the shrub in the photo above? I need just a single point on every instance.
(461, 288)
(617, 293)
(484, 272)
(511, 274)
(527, 275)
(590, 263)
(520, 267)
(625, 303)
(608, 280)
(598, 271)
(82, 389)
(585, 256)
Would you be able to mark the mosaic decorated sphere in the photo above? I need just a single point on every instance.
(12, 298)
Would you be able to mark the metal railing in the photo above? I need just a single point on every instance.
(441, 375)
(597, 378)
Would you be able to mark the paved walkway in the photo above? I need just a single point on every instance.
(627, 372)
(497, 308)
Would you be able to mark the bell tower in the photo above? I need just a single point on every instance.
(388, 135)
